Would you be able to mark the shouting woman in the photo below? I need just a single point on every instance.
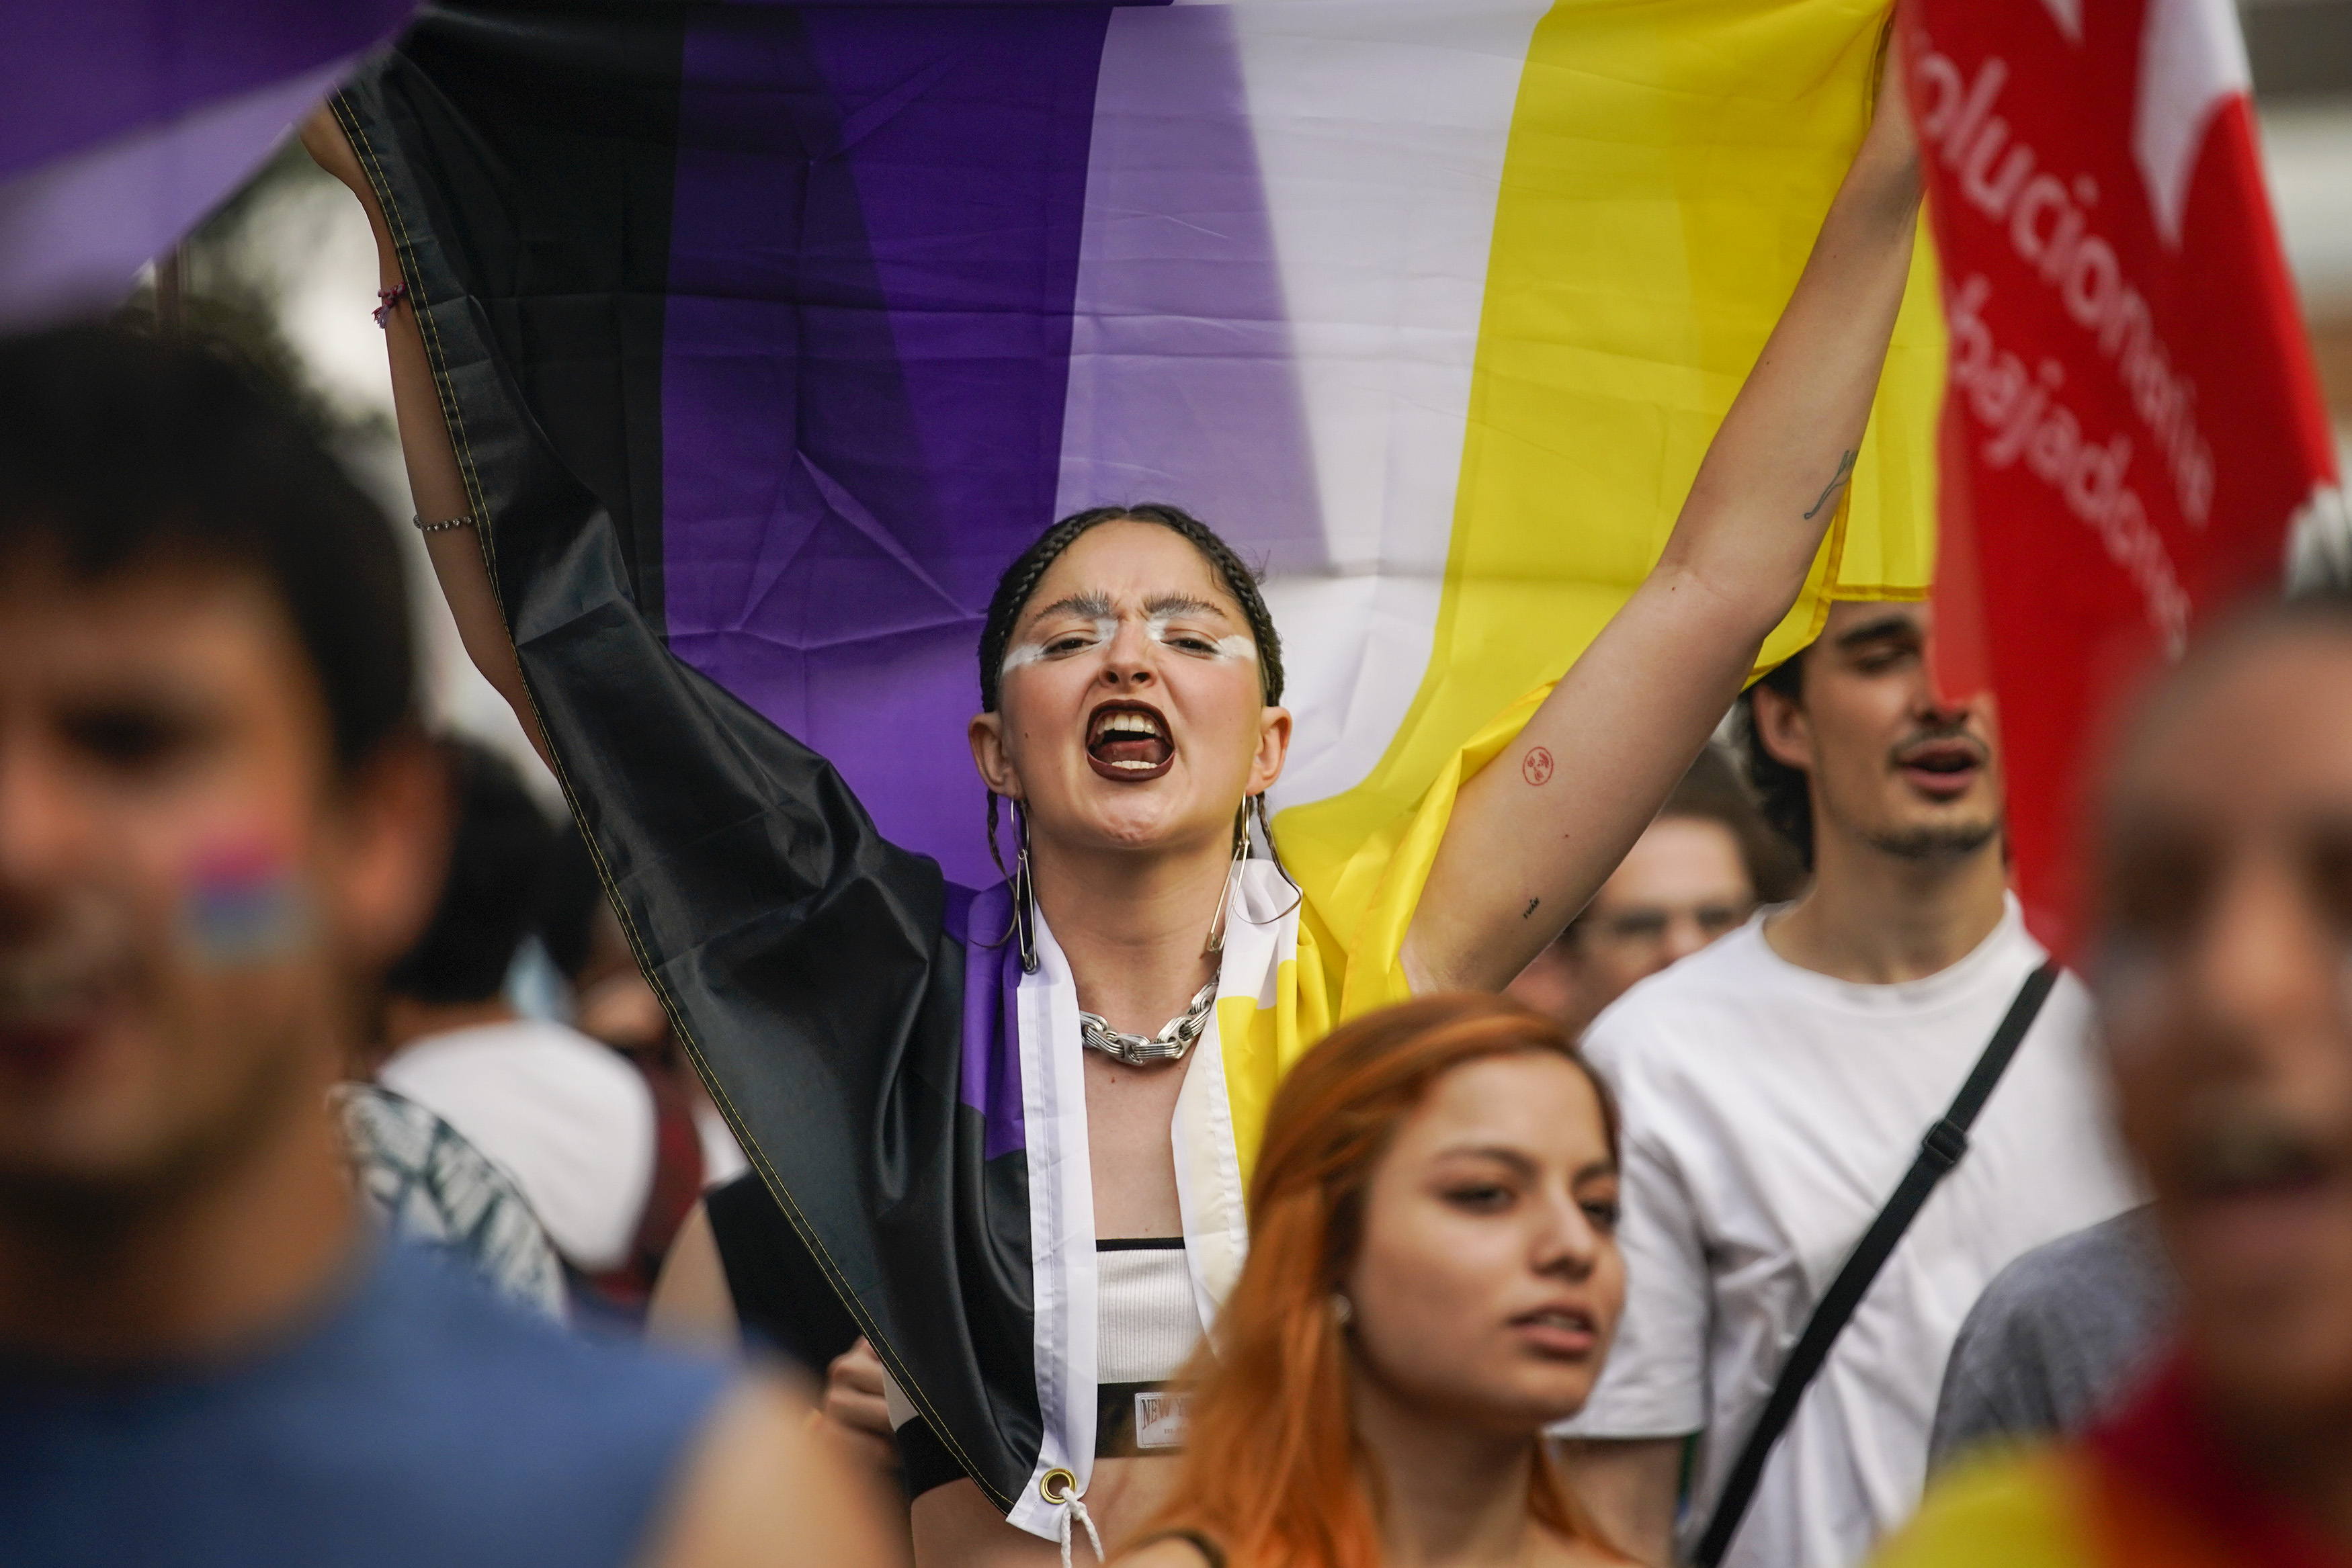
(1012, 1130)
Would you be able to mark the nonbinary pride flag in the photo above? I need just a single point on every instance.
(2135, 435)
(770, 335)
(1432, 305)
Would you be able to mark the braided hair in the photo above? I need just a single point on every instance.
(1019, 585)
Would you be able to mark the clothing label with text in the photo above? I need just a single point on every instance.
(1160, 1418)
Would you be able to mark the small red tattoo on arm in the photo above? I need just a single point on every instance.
(1536, 766)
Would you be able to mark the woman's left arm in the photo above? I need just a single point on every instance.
(1533, 836)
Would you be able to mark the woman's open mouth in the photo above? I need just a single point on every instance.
(1128, 741)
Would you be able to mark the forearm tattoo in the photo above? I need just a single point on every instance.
(1837, 482)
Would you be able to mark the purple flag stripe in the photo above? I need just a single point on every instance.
(1183, 383)
(874, 251)
(74, 232)
(889, 226)
(75, 74)
(991, 1078)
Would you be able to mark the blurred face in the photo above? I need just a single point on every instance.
(1682, 885)
(182, 882)
(1488, 1283)
(1131, 714)
(2227, 887)
(1892, 767)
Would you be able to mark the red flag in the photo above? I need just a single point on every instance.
(2132, 426)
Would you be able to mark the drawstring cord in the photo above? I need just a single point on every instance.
(1075, 1505)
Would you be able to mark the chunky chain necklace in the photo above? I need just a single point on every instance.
(1169, 1045)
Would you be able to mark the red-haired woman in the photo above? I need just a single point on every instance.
(1433, 1278)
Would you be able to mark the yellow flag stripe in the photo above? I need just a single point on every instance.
(1668, 167)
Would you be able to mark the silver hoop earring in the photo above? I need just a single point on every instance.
(1024, 894)
(1216, 942)
(1274, 850)
(1343, 1311)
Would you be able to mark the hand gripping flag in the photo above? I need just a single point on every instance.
(122, 123)
(2134, 435)
(768, 336)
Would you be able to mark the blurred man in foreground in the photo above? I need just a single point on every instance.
(1696, 874)
(2226, 886)
(217, 829)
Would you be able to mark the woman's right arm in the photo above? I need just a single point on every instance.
(1519, 859)
(434, 480)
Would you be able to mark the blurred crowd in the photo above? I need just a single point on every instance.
(519, 1028)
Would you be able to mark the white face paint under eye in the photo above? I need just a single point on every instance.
(1103, 628)
(1237, 646)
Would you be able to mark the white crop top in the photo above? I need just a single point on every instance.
(1146, 1323)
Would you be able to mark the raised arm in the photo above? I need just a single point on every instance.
(1529, 842)
(434, 481)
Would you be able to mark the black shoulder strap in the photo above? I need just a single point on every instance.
(1939, 1151)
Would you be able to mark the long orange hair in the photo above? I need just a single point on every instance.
(1272, 1471)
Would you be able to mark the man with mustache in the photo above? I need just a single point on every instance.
(1776, 1087)
(2225, 919)
(218, 826)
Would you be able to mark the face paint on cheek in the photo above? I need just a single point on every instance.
(242, 904)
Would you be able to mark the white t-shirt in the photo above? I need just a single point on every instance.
(566, 1117)
(1769, 1112)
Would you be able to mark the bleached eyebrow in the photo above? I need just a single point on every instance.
(1183, 604)
(1088, 606)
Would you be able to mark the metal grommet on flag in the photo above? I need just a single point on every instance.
(1059, 1488)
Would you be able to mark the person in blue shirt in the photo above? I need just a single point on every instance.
(218, 825)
